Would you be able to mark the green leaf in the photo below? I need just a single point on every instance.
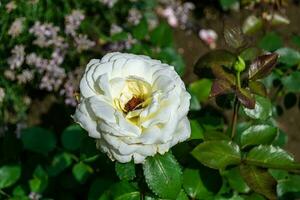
(201, 89)
(81, 172)
(59, 163)
(122, 36)
(226, 4)
(252, 25)
(262, 109)
(124, 191)
(125, 171)
(72, 136)
(141, 30)
(9, 174)
(182, 196)
(38, 140)
(163, 175)
(262, 66)
(193, 185)
(258, 88)
(170, 56)
(292, 82)
(194, 103)
(162, 35)
(288, 56)
(288, 185)
(40, 180)
(98, 187)
(196, 130)
(250, 54)
(271, 42)
(271, 157)
(258, 134)
(259, 180)
(205, 64)
(217, 154)
(296, 40)
(235, 180)
(215, 135)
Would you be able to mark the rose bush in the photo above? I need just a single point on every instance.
(133, 105)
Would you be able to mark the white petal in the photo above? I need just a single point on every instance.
(104, 86)
(102, 109)
(86, 120)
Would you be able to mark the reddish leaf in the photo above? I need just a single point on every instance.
(245, 97)
(262, 66)
(220, 73)
(257, 87)
(204, 65)
(220, 86)
(259, 180)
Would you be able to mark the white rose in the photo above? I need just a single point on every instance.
(133, 105)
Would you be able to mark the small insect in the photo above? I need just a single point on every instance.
(77, 96)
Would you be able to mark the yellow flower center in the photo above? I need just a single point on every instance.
(135, 95)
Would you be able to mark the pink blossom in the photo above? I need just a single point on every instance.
(209, 37)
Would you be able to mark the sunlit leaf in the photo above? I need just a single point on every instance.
(163, 175)
(279, 19)
(252, 24)
(262, 109)
(9, 174)
(262, 66)
(258, 134)
(272, 157)
(217, 154)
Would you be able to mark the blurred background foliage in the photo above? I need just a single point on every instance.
(44, 47)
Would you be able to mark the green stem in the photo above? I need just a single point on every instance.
(238, 79)
(4, 193)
